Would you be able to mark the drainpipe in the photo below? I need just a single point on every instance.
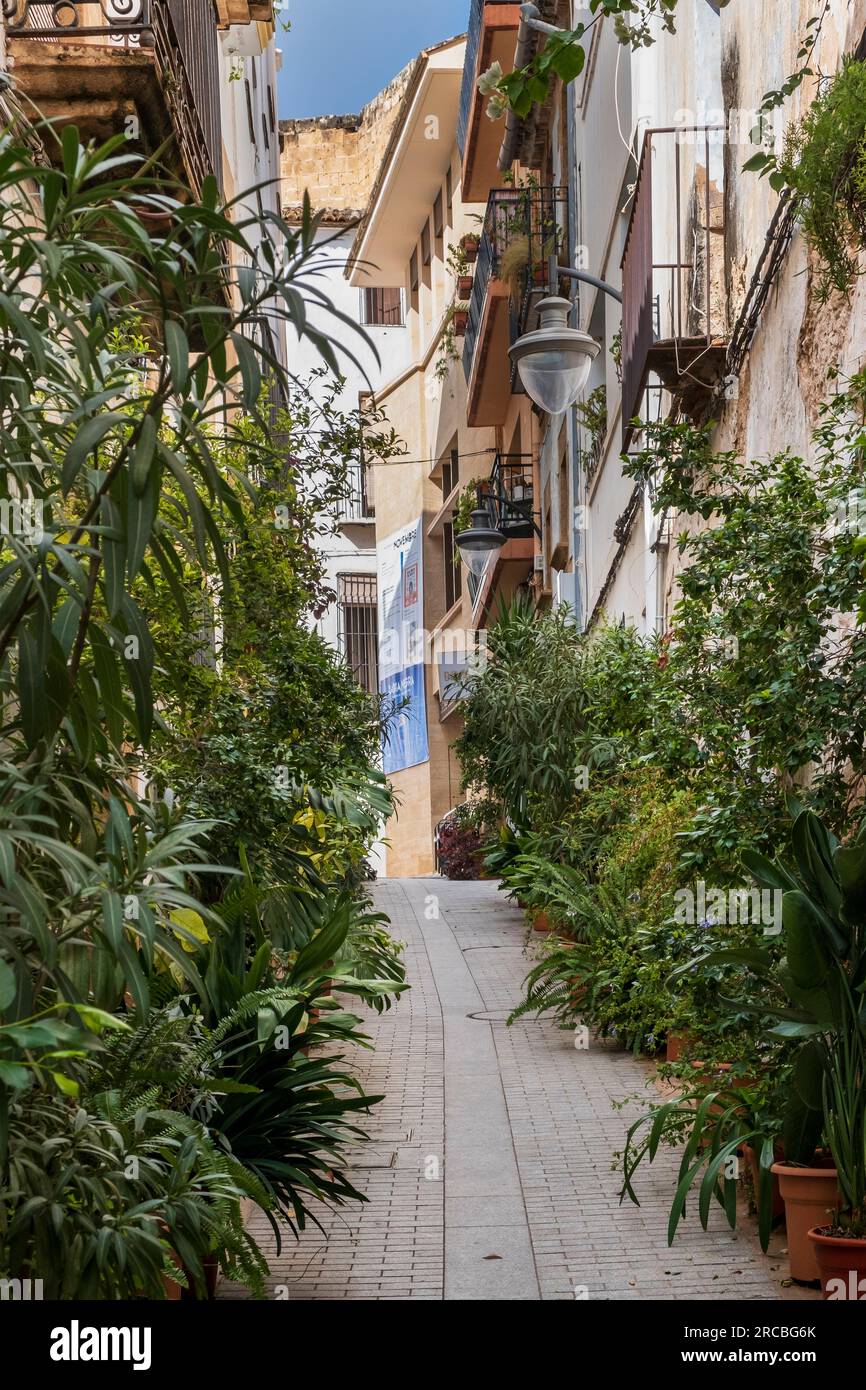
(521, 58)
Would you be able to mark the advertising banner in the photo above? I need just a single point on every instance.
(400, 565)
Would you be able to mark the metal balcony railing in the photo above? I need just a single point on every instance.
(522, 227)
(508, 496)
(357, 505)
(122, 22)
(470, 73)
(673, 264)
(183, 36)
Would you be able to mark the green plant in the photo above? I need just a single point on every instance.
(616, 353)
(152, 507)
(104, 1208)
(564, 56)
(824, 163)
(467, 501)
(812, 993)
(457, 261)
(592, 413)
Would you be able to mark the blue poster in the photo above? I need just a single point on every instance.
(400, 565)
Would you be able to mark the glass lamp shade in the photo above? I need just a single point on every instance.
(480, 541)
(554, 361)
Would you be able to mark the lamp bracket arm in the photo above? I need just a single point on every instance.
(585, 279)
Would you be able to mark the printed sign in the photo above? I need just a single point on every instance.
(400, 567)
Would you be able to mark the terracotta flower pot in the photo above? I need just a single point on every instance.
(809, 1194)
(677, 1042)
(841, 1262)
(469, 244)
(461, 319)
(541, 922)
(464, 286)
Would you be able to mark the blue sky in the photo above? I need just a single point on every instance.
(340, 53)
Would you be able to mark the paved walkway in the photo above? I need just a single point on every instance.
(489, 1172)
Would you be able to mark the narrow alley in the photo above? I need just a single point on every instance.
(489, 1174)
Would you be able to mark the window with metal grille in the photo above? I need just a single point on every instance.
(358, 628)
(452, 569)
(381, 308)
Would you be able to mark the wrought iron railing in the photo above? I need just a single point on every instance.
(673, 262)
(181, 32)
(507, 495)
(188, 56)
(470, 67)
(357, 504)
(467, 90)
(522, 228)
(126, 23)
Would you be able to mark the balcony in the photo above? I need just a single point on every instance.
(357, 506)
(509, 498)
(147, 68)
(522, 227)
(674, 321)
(492, 37)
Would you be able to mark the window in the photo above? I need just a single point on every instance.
(439, 224)
(413, 279)
(450, 473)
(265, 131)
(358, 628)
(453, 572)
(426, 255)
(250, 121)
(381, 308)
(449, 198)
(272, 115)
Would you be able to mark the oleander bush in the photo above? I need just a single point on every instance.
(187, 776)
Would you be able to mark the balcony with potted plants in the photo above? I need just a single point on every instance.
(522, 227)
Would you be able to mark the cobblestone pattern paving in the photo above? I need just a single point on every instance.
(519, 1127)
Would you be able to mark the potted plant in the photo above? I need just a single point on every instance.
(457, 262)
(460, 317)
(819, 978)
(469, 244)
(839, 1245)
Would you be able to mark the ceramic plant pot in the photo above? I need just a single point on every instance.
(809, 1194)
(841, 1262)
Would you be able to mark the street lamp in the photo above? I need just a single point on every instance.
(553, 361)
(479, 541)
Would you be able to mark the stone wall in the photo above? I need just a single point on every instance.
(337, 158)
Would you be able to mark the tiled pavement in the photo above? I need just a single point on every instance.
(489, 1172)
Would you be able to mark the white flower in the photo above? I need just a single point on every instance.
(490, 80)
(497, 106)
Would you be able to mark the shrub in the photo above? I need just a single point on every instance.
(459, 845)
